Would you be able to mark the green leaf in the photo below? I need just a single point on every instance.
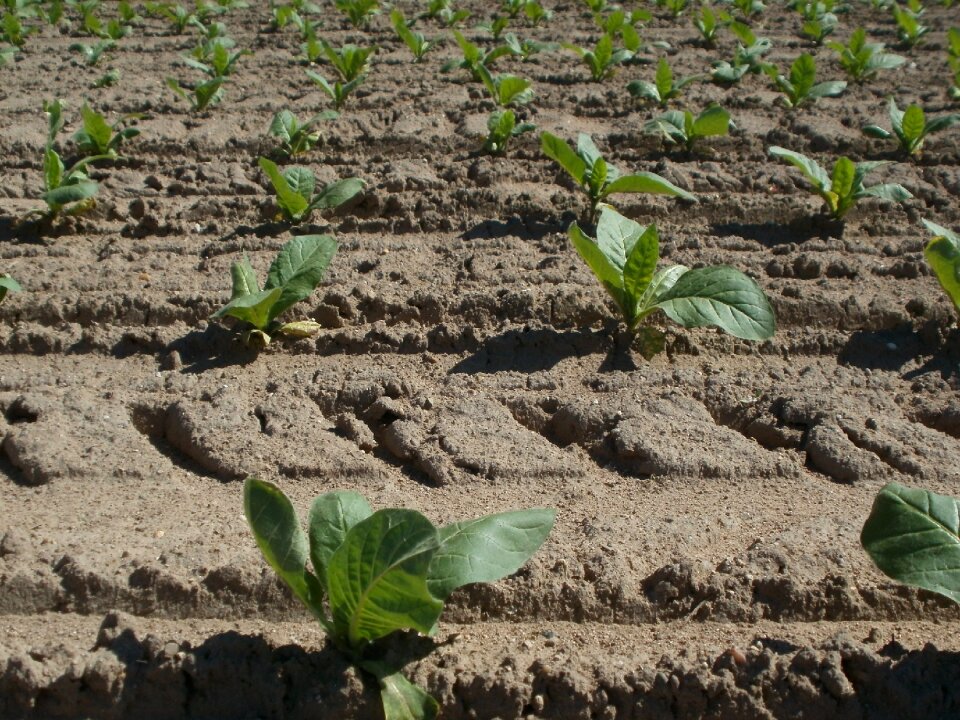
(331, 517)
(802, 75)
(720, 296)
(284, 125)
(815, 174)
(301, 181)
(402, 700)
(844, 175)
(52, 169)
(378, 577)
(336, 193)
(291, 202)
(299, 268)
(912, 536)
(894, 192)
(639, 269)
(74, 192)
(280, 538)
(646, 182)
(663, 80)
(587, 150)
(913, 124)
(829, 88)
(609, 275)
(875, 131)
(712, 122)
(8, 285)
(487, 549)
(244, 279)
(559, 151)
(254, 309)
(661, 283)
(941, 123)
(96, 134)
(943, 254)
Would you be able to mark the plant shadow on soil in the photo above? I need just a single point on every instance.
(770, 234)
(890, 350)
(525, 227)
(214, 347)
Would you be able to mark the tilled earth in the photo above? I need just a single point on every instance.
(705, 561)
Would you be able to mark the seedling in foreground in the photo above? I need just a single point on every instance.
(599, 179)
(220, 61)
(415, 41)
(295, 191)
(603, 59)
(98, 137)
(913, 536)
(338, 91)
(663, 89)
(748, 56)
(862, 60)
(295, 137)
(911, 127)
(943, 254)
(375, 573)
(502, 126)
(842, 189)
(294, 275)
(506, 90)
(624, 258)
(8, 285)
(682, 128)
(201, 96)
(474, 57)
(801, 87)
(350, 61)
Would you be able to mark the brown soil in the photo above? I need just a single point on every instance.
(705, 562)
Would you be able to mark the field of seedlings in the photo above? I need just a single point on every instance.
(449, 205)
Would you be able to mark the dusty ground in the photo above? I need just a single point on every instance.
(705, 561)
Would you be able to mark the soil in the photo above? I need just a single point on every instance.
(705, 561)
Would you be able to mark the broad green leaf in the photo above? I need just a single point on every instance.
(336, 193)
(893, 192)
(941, 123)
(402, 700)
(646, 182)
(208, 93)
(639, 268)
(293, 204)
(816, 174)
(301, 181)
(663, 80)
(487, 549)
(284, 125)
(616, 236)
(588, 150)
(8, 285)
(943, 254)
(829, 88)
(712, 122)
(55, 121)
(512, 89)
(802, 75)
(74, 192)
(255, 309)
(331, 517)
(609, 275)
(844, 175)
(299, 268)
(558, 150)
(52, 169)
(96, 133)
(644, 90)
(377, 578)
(244, 279)
(914, 122)
(913, 536)
(723, 297)
(661, 283)
(280, 538)
(875, 131)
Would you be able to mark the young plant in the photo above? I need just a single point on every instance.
(682, 128)
(623, 24)
(219, 60)
(295, 188)
(506, 90)
(294, 275)
(416, 42)
(747, 57)
(536, 13)
(8, 285)
(943, 255)
(297, 138)
(598, 178)
(603, 59)
(495, 26)
(841, 189)
(862, 60)
(909, 29)
(706, 24)
(502, 126)
(624, 257)
(176, 14)
(337, 91)
(98, 137)
(200, 96)
(474, 57)
(911, 127)
(749, 8)
(350, 61)
(663, 89)
(801, 87)
(91, 53)
(818, 20)
(913, 536)
(526, 48)
(676, 7)
(446, 13)
(359, 12)
(13, 31)
(375, 573)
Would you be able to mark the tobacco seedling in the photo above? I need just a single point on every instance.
(444, 12)
(415, 41)
(375, 573)
(496, 26)
(841, 189)
(801, 87)
(474, 57)
(682, 128)
(676, 7)
(337, 91)
(913, 536)
(598, 178)
(663, 89)
(603, 60)
(623, 24)
(350, 61)
(295, 188)
(909, 29)
(624, 257)
(293, 276)
(911, 127)
(98, 137)
(749, 8)
(14, 31)
(706, 24)
(359, 12)
(526, 48)
(747, 57)
(862, 60)
(536, 13)
(943, 255)
(108, 79)
(91, 53)
(8, 285)
(502, 126)
(297, 138)
(200, 96)
(506, 90)
(176, 14)
(220, 61)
